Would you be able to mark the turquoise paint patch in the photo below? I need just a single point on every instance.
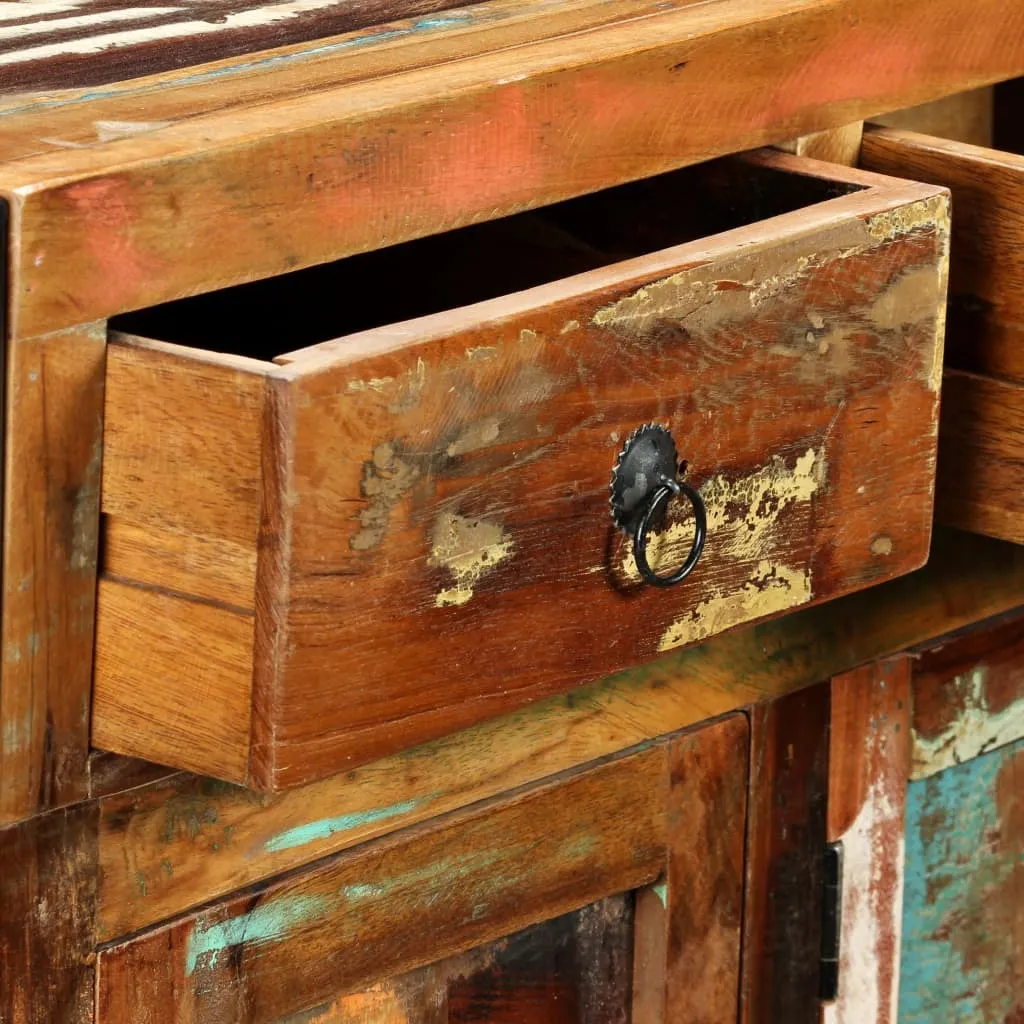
(268, 922)
(661, 891)
(327, 827)
(954, 868)
(362, 892)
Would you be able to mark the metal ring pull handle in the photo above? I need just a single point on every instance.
(643, 483)
(669, 489)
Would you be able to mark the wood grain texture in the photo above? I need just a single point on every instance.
(963, 912)
(116, 223)
(986, 283)
(208, 652)
(47, 904)
(963, 117)
(399, 903)
(174, 844)
(689, 969)
(412, 532)
(196, 531)
(968, 696)
(834, 145)
(786, 838)
(53, 45)
(869, 762)
(53, 451)
(980, 485)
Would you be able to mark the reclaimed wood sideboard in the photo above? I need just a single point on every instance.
(333, 687)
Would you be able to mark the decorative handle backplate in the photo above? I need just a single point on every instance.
(644, 481)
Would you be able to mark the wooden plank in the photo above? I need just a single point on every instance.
(35, 124)
(95, 42)
(193, 532)
(869, 760)
(175, 844)
(208, 652)
(980, 486)
(963, 916)
(451, 885)
(986, 283)
(689, 969)
(47, 903)
(53, 451)
(786, 839)
(834, 145)
(95, 219)
(968, 697)
(962, 117)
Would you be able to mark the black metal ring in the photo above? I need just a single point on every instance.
(669, 489)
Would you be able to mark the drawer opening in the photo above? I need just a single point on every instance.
(267, 318)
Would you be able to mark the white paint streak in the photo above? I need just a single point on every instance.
(179, 30)
(868, 875)
(975, 730)
(102, 19)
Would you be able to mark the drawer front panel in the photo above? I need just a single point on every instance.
(435, 544)
(980, 481)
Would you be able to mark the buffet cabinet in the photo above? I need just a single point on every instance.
(511, 513)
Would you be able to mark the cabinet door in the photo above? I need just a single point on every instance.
(609, 893)
(963, 901)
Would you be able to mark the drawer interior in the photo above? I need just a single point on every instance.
(265, 319)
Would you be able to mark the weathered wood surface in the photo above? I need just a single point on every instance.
(414, 898)
(56, 44)
(53, 450)
(963, 912)
(963, 117)
(789, 786)
(986, 282)
(869, 762)
(113, 226)
(980, 483)
(968, 697)
(834, 145)
(174, 844)
(405, 539)
(574, 969)
(47, 906)
(688, 926)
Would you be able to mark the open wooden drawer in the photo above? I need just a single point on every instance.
(980, 483)
(313, 559)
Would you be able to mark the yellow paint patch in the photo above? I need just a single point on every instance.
(743, 515)
(771, 589)
(928, 214)
(469, 549)
(373, 384)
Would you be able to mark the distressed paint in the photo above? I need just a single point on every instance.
(975, 730)
(469, 549)
(873, 849)
(316, 831)
(745, 517)
(963, 920)
(265, 923)
(387, 478)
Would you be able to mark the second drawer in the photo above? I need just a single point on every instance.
(317, 558)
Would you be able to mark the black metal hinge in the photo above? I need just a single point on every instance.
(831, 920)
